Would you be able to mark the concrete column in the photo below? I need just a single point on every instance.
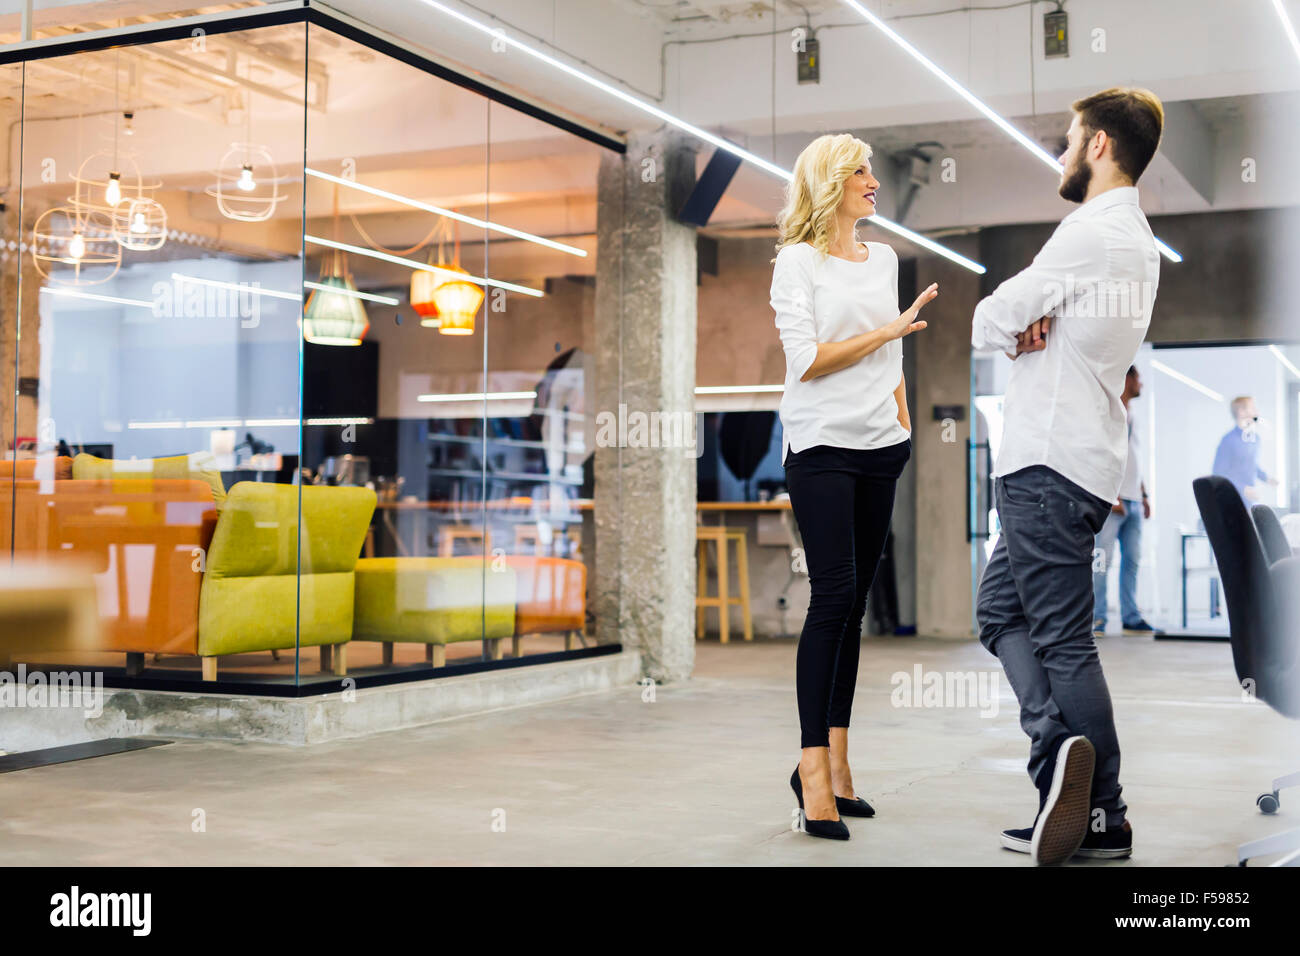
(943, 353)
(644, 593)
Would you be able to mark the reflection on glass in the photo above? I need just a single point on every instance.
(159, 339)
(299, 420)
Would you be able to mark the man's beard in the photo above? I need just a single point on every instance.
(1074, 187)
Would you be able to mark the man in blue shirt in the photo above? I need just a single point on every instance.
(1237, 457)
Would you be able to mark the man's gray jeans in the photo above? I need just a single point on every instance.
(1035, 613)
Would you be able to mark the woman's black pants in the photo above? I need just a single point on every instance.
(843, 499)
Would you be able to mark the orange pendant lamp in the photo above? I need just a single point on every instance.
(443, 302)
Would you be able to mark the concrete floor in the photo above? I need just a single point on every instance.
(698, 776)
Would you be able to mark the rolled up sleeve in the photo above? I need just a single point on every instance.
(792, 300)
(1072, 258)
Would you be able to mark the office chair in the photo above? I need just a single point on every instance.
(1263, 625)
(1271, 535)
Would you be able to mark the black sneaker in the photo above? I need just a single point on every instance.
(1142, 629)
(1018, 840)
(1115, 843)
(1063, 821)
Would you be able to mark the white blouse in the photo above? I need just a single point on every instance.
(826, 299)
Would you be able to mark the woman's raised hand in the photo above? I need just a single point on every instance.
(908, 322)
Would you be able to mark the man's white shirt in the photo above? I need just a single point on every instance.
(1096, 277)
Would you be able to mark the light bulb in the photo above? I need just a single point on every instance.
(246, 181)
(113, 194)
(138, 224)
(76, 246)
(128, 129)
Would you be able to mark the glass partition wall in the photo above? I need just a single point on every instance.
(299, 341)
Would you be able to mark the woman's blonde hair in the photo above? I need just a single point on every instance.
(814, 193)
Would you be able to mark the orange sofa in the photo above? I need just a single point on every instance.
(550, 597)
(170, 580)
(141, 538)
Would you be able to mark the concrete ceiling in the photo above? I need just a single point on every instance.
(1227, 75)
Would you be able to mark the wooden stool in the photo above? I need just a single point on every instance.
(452, 533)
(721, 537)
(527, 535)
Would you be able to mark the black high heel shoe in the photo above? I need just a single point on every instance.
(828, 829)
(857, 807)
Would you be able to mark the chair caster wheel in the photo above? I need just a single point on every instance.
(1267, 802)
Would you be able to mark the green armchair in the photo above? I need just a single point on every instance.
(253, 597)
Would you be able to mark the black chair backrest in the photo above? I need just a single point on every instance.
(1271, 535)
(1243, 569)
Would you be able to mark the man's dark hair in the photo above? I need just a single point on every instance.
(1132, 370)
(1132, 118)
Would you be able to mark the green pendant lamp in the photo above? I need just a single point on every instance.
(335, 314)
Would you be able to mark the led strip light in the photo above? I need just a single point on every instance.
(1189, 382)
(736, 389)
(438, 210)
(478, 397)
(225, 423)
(1037, 151)
(715, 141)
(216, 283)
(338, 290)
(422, 266)
(95, 297)
(239, 287)
(1285, 362)
(1288, 27)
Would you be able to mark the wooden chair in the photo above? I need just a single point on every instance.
(722, 538)
(528, 538)
(474, 534)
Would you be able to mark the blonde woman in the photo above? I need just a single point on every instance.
(847, 434)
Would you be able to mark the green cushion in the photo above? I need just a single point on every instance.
(258, 529)
(432, 600)
(200, 466)
(271, 611)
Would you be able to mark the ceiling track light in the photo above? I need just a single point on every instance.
(718, 142)
(983, 108)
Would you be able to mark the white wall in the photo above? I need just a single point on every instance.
(108, 366)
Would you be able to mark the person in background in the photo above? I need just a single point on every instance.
(1124, 523)
(1237, 457)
